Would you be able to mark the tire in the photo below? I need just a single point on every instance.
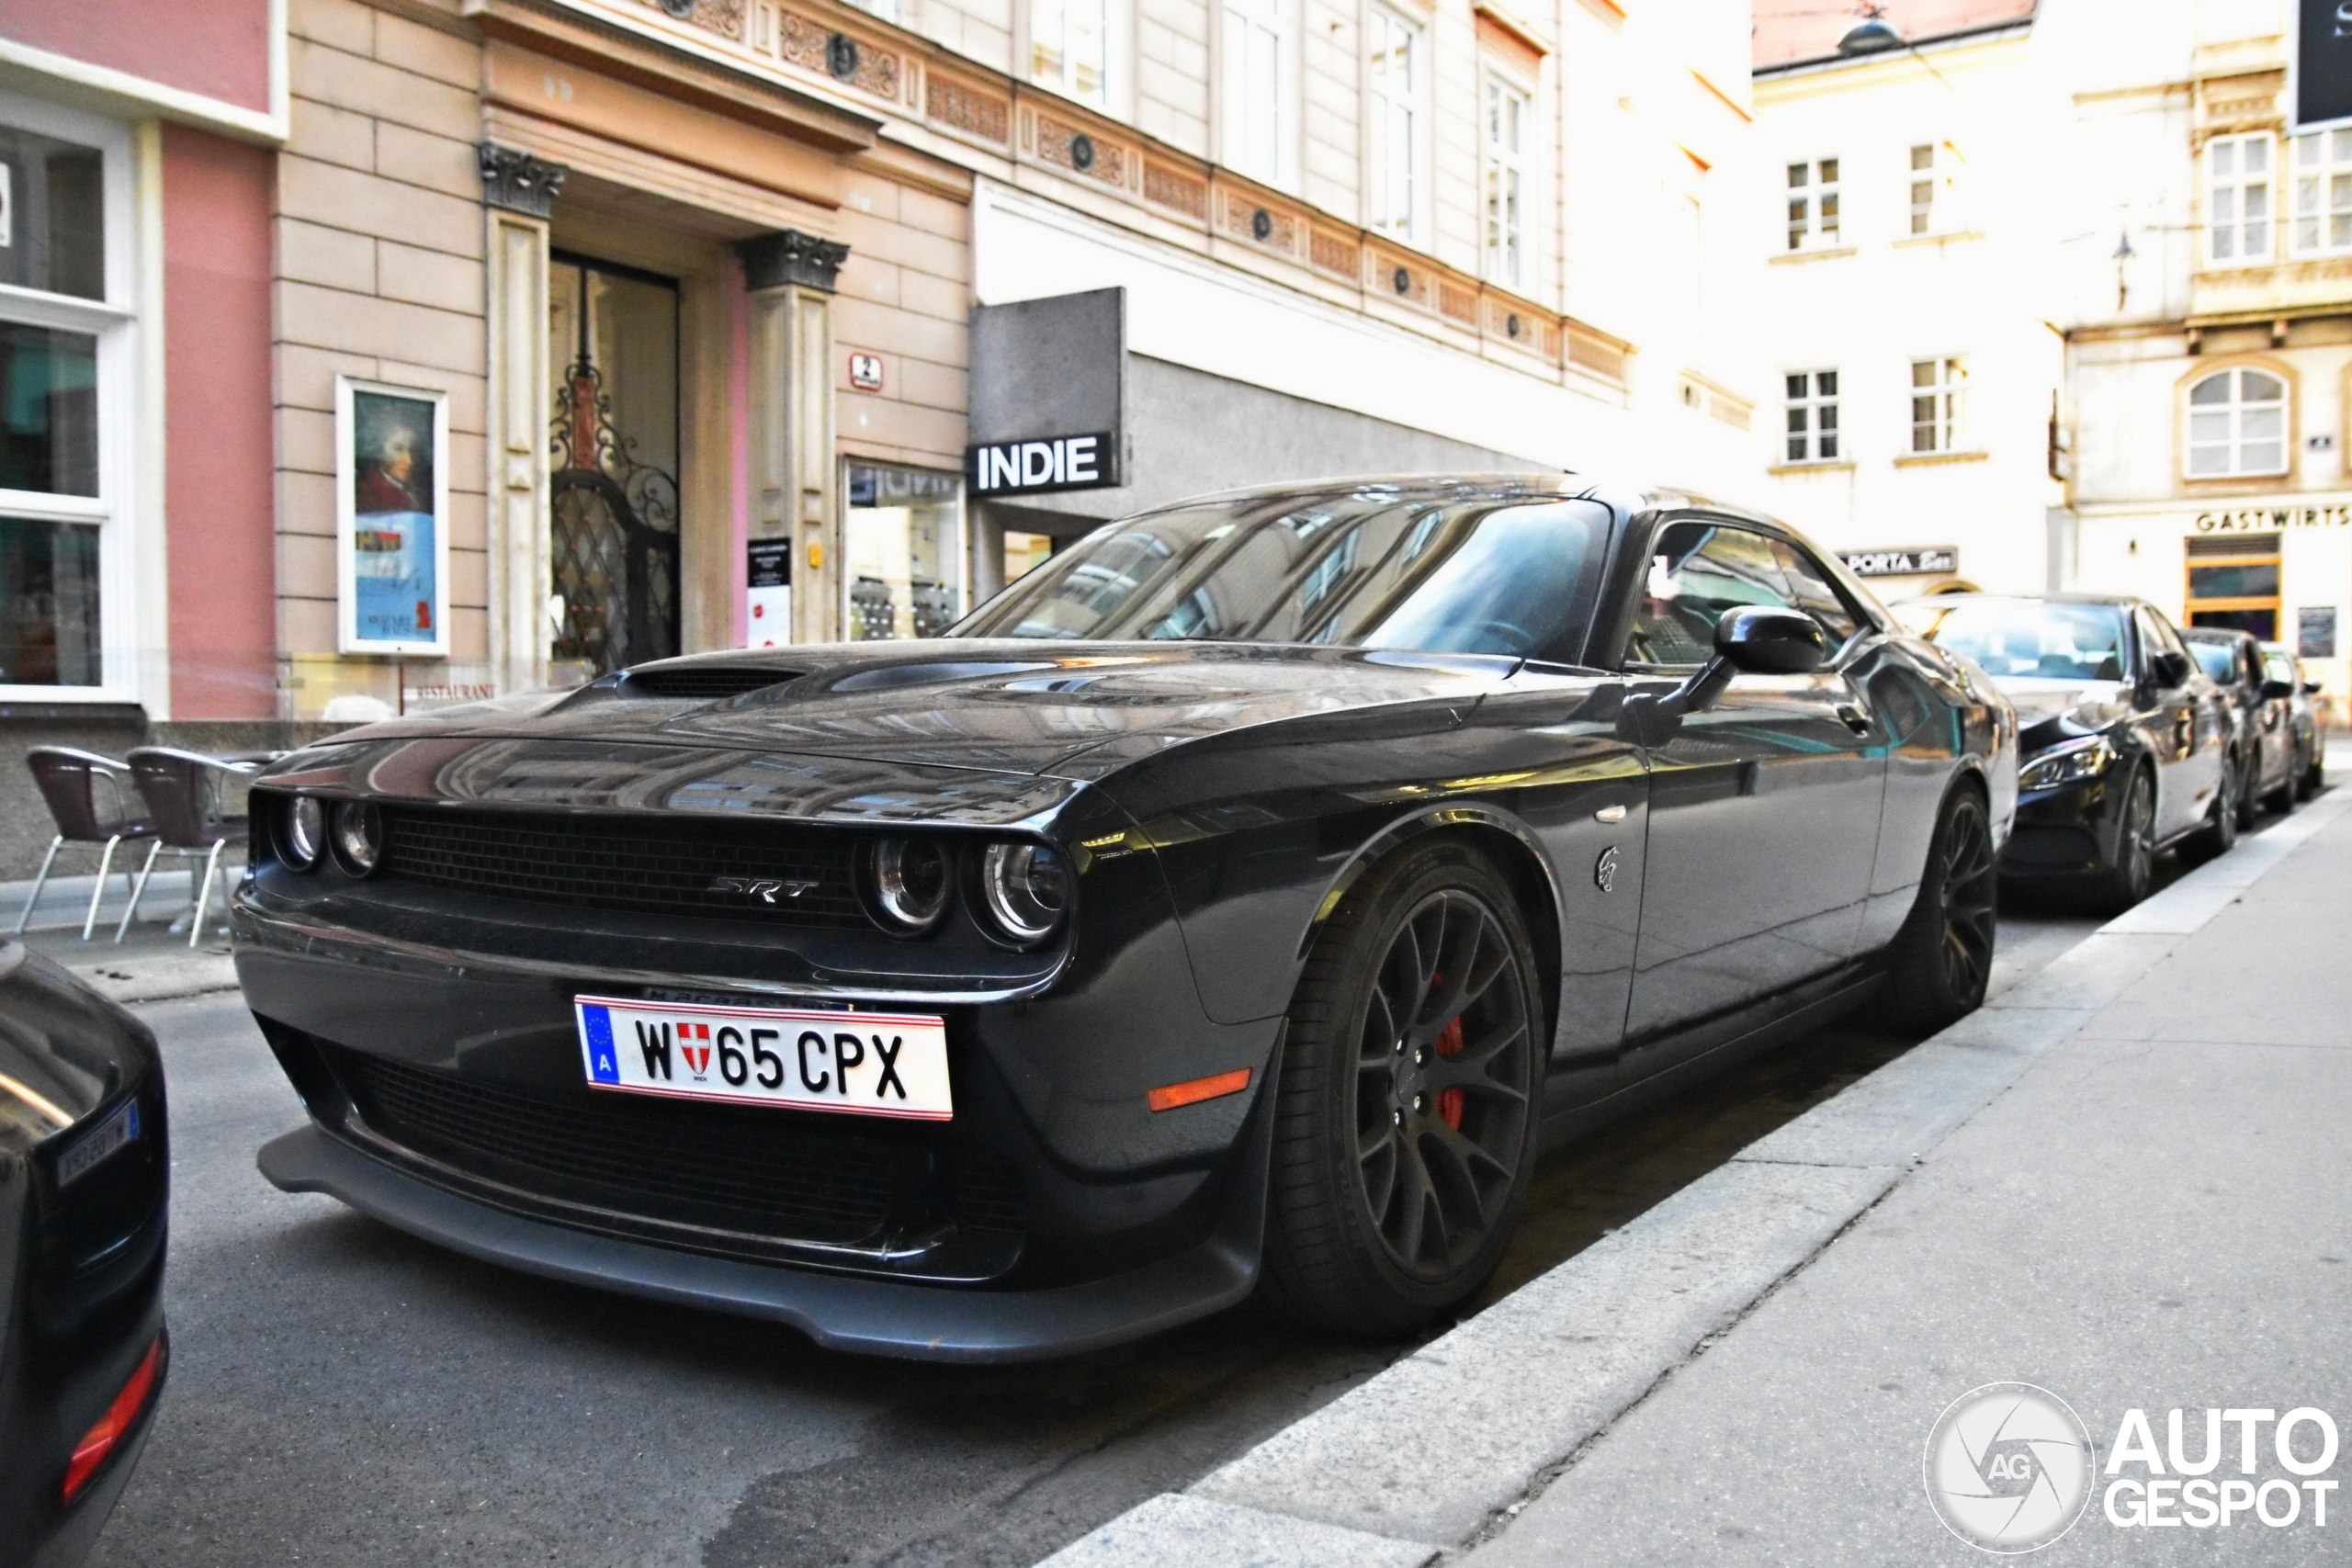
(1407, 1118)
(2282, 800)
(2126, 882)
(2249, 803)
(2308, 786)
(1939, 962)
(2220, 834)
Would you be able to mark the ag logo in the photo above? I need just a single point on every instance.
(2008, 1467)
(1604, 870)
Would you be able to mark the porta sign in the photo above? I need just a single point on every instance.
(1919, 560)
(1046, 464)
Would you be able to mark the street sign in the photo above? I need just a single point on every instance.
(1916, 561)
(2320, 65)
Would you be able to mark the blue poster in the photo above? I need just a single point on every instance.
(393, 527)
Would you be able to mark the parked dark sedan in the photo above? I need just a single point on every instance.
(2311, 731)
(1244, 897)
(84, 1173)
(2263, 708)
(2125, 747)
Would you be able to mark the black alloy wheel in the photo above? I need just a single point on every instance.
(1942, 960)
(2313, 771)
(2250, 791)
(2126, 882)
(1405, 1127)
(2220, 834)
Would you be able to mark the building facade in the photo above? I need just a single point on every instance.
(2210, 341)
(497, 342)
(1909, 314)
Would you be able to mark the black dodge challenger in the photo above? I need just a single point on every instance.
(1240, 900)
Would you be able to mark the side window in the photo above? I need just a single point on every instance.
(1698, 573)
(2156, 635)
(2278, 667)
(1815, 594)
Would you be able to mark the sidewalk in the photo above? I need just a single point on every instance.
(2124, 1181)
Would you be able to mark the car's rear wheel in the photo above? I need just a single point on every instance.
(2307, 769)
(1407, 1116)
(2290, 786)
(2250, 791)
(2220, 834)
(2126, 882)
(1940, 961)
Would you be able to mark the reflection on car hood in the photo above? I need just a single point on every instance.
(2052, 711)
(1011, 706)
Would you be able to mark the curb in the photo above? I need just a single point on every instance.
(1444, 1447)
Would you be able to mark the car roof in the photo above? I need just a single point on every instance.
(2219, 634)
(1627, 500)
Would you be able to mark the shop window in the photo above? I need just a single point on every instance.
(902, 541)
(1939, 405)
(1813, 204)
(1812, 417)
(1394, 72)
(1257, 88)
(1069, 48)
(1024, 553)
(2237, 199)
(2233, 583)
(2237, 424)
(2322, 185)
(65, 405)
(1509, 130)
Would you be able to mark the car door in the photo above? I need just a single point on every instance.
(2184, 722)
(1764, 809)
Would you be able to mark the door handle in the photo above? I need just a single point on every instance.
(1856, 719)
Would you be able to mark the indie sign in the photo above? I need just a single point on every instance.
(1048, 463)
(1921, 561)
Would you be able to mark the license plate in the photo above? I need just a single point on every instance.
(866, 1064)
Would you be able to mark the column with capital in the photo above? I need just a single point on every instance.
(518, 196)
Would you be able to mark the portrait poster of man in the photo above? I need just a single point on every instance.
(394, 504)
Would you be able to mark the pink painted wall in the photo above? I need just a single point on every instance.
(217, 504)
(219, 47)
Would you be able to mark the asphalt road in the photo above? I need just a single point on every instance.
(340, 1392)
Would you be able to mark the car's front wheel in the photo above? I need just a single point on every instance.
(2125, 883)
(1406, 1117)
(1942, 958)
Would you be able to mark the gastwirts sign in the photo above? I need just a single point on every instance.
(1047, 464)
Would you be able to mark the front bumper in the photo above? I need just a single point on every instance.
(2068, 831)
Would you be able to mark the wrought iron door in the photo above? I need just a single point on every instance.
(615, 535)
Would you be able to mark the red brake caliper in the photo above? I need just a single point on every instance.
(1449, 1044)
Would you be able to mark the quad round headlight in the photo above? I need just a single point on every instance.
(358, 837)
(907, 883)
(1026, 888)
(305, 835)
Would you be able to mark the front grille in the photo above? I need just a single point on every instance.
(782, 875)
(755, 1172)
(702, 682)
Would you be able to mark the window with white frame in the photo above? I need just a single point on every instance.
(2237, 199)
(1923, 188)
(1813, 204)
(2237, 424)
(2323, 186)
(1939, 405)
(1811, 422)
(1393, 73)
(1257, 88)
(1510, 130)
(65, 399)
(1069, 48)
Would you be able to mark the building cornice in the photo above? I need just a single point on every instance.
(1998, 32)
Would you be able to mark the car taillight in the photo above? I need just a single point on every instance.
(103, 1439)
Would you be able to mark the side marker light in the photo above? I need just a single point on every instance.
(1194, 1091)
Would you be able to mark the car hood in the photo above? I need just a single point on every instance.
(2052, 711)
(1069, 710)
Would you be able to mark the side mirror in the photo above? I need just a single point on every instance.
(2310, 688)
(2170, 669)
(2276, 690)
(1761, 640)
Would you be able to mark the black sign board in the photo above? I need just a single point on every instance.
(768, 563)
(2323, 64)
(1044, 465)
(1919, 560)
(2315, 631)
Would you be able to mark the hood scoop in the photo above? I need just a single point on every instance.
(701, 682)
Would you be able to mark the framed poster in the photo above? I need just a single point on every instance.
(392, 518)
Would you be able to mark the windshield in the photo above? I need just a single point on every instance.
(2025, 637)
(1369, 567)
(2218, 659)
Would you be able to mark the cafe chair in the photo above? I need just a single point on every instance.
(92, 800)
(184, 795)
